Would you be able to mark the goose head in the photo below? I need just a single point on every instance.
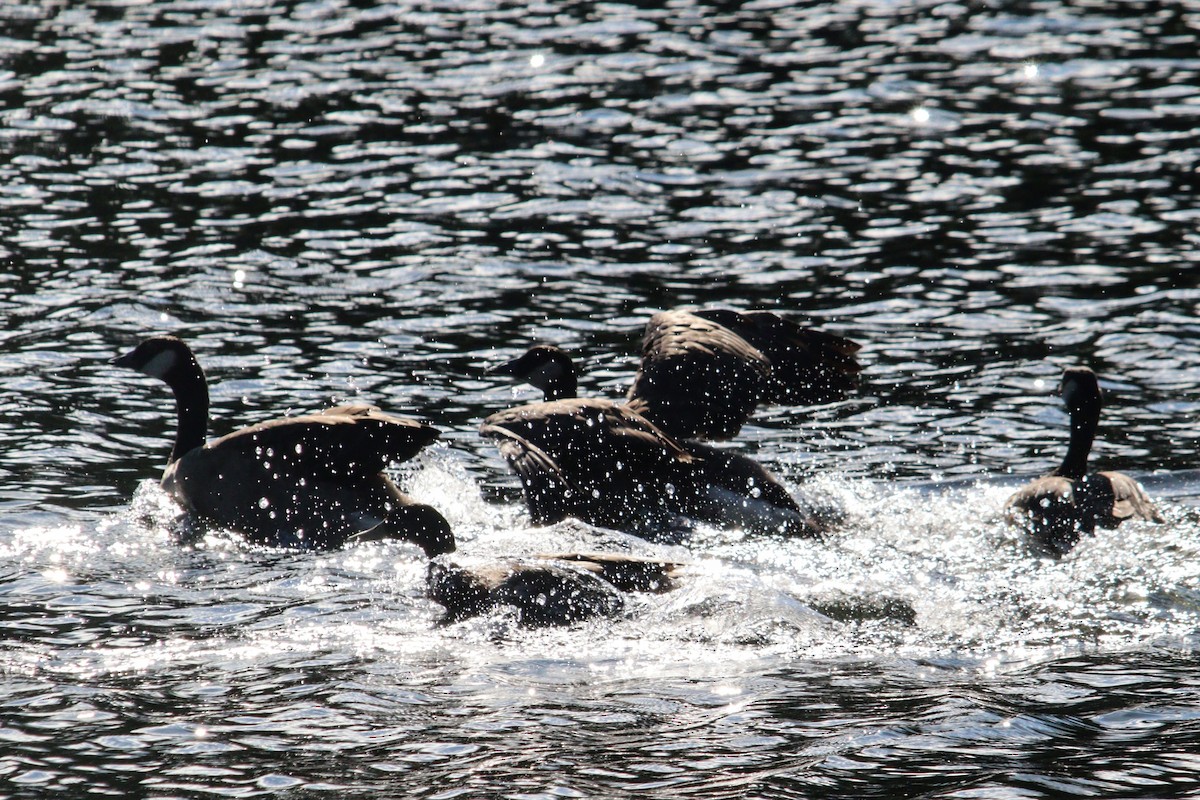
(164, 357)
(428, 529)
(1080, 390)
(171, 361)
(545, 367)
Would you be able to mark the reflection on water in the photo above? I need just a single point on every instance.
(345, 200)
(156, 667)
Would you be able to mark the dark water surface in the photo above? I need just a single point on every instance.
(336, 200)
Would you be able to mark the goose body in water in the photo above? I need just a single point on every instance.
(311, 481)
(1063, 505)
(636, 466)
(549, 589)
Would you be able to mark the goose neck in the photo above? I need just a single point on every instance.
(191, 406)
(1084, 422)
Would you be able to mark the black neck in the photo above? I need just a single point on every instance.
(1084, 422)
(564, 387)
(191, 405)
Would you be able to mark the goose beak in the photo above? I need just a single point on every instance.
(507, 368)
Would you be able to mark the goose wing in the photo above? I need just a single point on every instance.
(703, 373)
(1130, 501)
(583, 435)
(346, 441)
(544, 485)
(808, 365)
(576, 453)
(1041, 496)
(626, 572)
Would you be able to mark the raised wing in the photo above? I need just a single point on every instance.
(352, 440)
(703, 373)
(808, 365)
(591, 459)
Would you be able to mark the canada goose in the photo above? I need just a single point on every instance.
(704, 372)
(1059, 507)
(312, 481)
(550, 589)
(628, 466)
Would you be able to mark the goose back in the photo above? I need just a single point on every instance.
(739, 492)
(312, 481)
(606, 465)
(594, 460)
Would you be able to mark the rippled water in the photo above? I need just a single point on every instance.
(337, 200)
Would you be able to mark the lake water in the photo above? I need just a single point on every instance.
(375, 201)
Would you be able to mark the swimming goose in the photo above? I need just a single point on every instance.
(1059, 507)
(627, 466)
(312, 481)
(703, 373)
(548, 589)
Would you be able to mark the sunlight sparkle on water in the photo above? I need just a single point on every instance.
(537, 60)
(920, 115)
(1029, 71)
(56, 575)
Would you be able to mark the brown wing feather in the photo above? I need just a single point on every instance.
(808, 365)
(697, 378)
(703, 373)
(590, 459)
(350, 440)
(1130, 501)
(626, 572)
(1039, 494)
(543, 483)
(585, 432)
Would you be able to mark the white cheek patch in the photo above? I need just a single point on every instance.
(160, 365)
